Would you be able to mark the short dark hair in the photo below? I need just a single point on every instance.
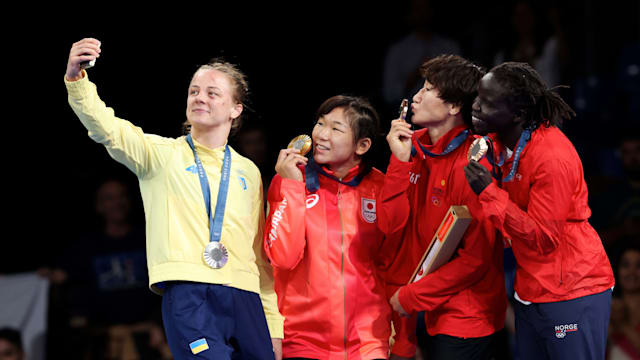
(456, 79)
(529, 97)
(363, 119)
(13, 336)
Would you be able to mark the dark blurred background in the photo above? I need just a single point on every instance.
(295, 55)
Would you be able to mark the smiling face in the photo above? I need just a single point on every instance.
(333, 142)
(490, 110)
(210, 102)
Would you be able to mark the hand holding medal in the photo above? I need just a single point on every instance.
(292, 159)
(477, 175)
(302, 143)
(400, 133)
(404, 108)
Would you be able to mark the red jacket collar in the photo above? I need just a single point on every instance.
(350, 175)
(422, 136)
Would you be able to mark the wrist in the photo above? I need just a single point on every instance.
(402, 156)
(76, 77)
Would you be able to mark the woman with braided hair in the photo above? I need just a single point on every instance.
(539, 204)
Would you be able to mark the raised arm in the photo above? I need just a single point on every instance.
(285, 226)
(125, 142)
(394, 207)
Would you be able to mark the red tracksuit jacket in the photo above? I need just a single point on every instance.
(323, 247)
(465, 297)
(544, 212)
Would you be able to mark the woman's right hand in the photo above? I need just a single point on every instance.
(287, 164)
(84, 50)
(399, 139)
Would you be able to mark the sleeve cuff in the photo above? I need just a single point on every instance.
(397, 163)
(398, 174)
(276, 327)
(490, 193)
(292, 187)
(293, 184)
(494, 202)
(406, 298)
(78, 88)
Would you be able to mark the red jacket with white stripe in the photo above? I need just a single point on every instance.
(466, 296)
(323, 247)
(544, 212)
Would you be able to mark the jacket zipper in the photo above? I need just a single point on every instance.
(344, 286)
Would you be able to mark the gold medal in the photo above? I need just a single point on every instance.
(302, 143)
(478, 149)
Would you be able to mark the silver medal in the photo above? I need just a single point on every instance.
(215, 255)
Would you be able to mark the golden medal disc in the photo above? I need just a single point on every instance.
(478, 149)
(302, 143)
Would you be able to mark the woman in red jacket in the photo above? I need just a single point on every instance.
(323, 242)
(563, 276)
(464, 300)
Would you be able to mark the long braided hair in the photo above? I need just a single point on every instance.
(529, 96)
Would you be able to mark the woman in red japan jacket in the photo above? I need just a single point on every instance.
(323, 242)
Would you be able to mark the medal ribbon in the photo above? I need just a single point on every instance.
(522, 142)
(215, 222)
(453, 144)
(496, 171)
(312, 182)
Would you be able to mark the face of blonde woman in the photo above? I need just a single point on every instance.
(210, 101)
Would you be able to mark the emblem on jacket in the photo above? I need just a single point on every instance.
(275, 222)
(192, 169)
(312, 200)
(368, 207)
(562, 330)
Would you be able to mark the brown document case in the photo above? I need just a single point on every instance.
(444, 242)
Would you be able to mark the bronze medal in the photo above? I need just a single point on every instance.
(478, 149)
(404, 108)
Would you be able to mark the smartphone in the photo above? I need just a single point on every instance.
(87, 64)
